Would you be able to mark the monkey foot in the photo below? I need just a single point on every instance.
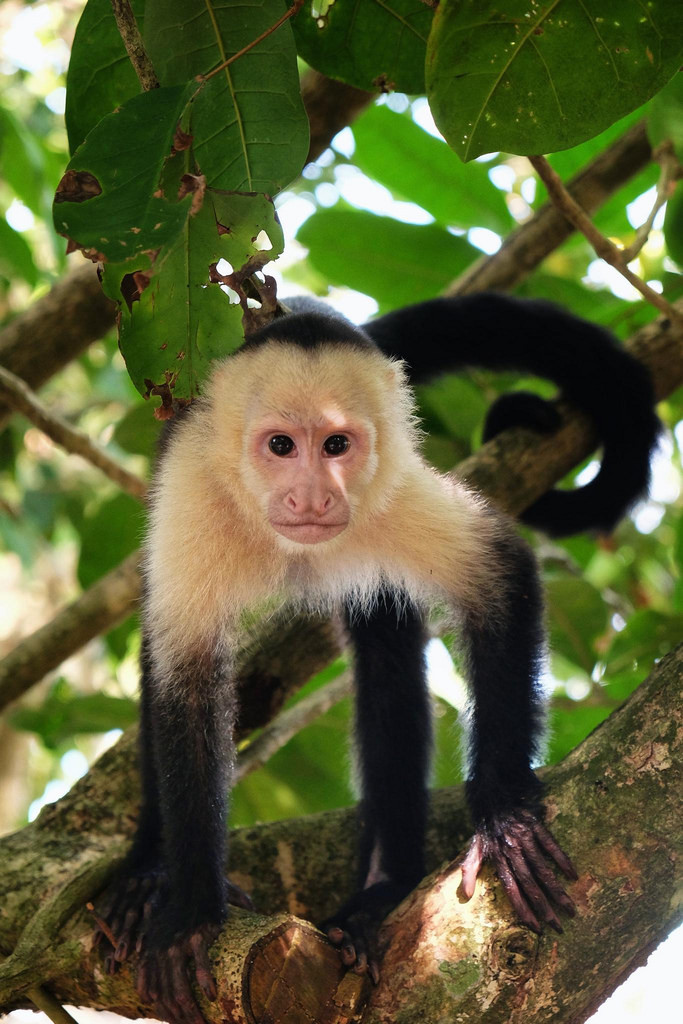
(517, 845)
(165, 976)
(354, 929)
(133, 904)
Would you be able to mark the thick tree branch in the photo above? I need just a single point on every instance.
(614, 802)
(56, 328)
(513, 470)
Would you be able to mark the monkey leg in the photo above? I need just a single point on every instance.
(393, 738)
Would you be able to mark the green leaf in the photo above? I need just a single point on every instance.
(534, 78)
(249, 126)
(16, 258)
(415, 166)
(665, 115)
(64, 714)
(394, 262)
(100, 76)
(108, 536)
(127, 155)
(456, 402)
(577, 616)
(138, 431)
(673, 226)
(366, 43)
(23, 164)
(181, 321)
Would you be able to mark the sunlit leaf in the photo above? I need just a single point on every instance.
(504, 74)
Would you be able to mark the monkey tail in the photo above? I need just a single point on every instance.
(594, 373)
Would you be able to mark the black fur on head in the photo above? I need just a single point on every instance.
(309, 325)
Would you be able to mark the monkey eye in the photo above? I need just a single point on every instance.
(336, 444)
(281, 444)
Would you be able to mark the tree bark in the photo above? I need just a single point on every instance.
(615, 803)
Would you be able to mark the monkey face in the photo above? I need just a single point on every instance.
(310, 471)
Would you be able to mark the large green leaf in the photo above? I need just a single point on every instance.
(394, 262)
(534, 78)
(180, 321)
(111, 533)
(249, 127)
(16, 258)
(392, 149)
(665, 116)
(100, 76)
(126, 157)
(368, 43)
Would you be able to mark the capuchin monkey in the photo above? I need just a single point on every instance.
(298, 474)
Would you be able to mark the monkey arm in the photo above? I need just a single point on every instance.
(173, 898)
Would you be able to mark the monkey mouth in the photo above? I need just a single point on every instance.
(309, 531)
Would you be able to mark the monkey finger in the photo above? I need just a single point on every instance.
(546, 878)
(203, 969)
(335, 934)
(512, 891)
(471, 865)
(548, 843)
(238, 897)
(529, 888)
(373, 970)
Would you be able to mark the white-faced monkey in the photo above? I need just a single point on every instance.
(299, 473)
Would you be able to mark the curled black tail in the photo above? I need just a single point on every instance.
(594, 373)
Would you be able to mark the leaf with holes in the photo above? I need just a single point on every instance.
(175, 322)
(118, 197)
(249, 127)
(537, 77)
(367, 43)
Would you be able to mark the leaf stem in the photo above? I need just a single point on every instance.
(294, 9)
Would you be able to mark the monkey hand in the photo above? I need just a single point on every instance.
(354, 928)
(517, 843)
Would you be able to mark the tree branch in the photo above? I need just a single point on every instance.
(55, 329)
(605, 249)
(18, 395)
(618, 813)
(135, 48)
(527, 246)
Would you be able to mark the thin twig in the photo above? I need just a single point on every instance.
(294, 9)
(670, 172)
(135, 48)
(290, 722)
(17, 394)
(605, 249)
(50, 1006)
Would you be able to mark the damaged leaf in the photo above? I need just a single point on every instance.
(181, 319)
(114, 198)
